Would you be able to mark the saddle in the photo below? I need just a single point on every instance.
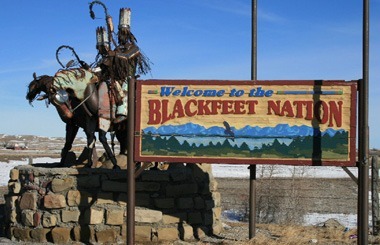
(105, 100)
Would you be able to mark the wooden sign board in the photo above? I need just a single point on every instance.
(246, 122)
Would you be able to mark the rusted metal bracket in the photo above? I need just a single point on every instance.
(144, 166)
(352, 176)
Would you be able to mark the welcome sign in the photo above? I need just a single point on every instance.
(246, 122)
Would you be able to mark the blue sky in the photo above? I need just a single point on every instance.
(187, 39)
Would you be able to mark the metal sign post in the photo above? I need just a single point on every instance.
(131, 164)
(363, 164)
(252, 167)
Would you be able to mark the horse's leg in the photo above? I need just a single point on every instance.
(122, 137)
(113, 141)
(90, 134)
(110, 155)
(71, 132)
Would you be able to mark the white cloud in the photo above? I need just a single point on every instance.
(270, 17)
(30, 66)
(235, 7)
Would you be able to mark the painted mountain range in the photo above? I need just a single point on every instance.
(280, 130)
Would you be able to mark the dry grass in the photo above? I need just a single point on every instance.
(273, 234)
(296, 235)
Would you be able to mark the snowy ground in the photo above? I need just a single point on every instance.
(219, 170)
(347, 220)
(240, 171)
(7, 166)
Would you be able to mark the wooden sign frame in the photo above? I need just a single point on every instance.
(290, 122)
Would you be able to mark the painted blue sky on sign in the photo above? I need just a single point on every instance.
(280, 130)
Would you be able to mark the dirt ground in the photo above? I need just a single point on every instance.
(275, 196)
(317, 195)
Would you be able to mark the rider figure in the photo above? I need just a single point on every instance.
(119, 66)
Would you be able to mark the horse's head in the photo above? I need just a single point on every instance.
(58, 97)
(38, 85)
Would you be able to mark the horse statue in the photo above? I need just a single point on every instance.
(92, 99)
(75, 94)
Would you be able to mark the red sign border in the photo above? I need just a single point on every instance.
(302, 162)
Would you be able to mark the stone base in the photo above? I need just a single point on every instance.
(63, 205)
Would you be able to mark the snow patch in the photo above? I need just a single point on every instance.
(347, 220)
(280, 171)
(7, 166)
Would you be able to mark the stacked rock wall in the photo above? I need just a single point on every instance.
(63, 205)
